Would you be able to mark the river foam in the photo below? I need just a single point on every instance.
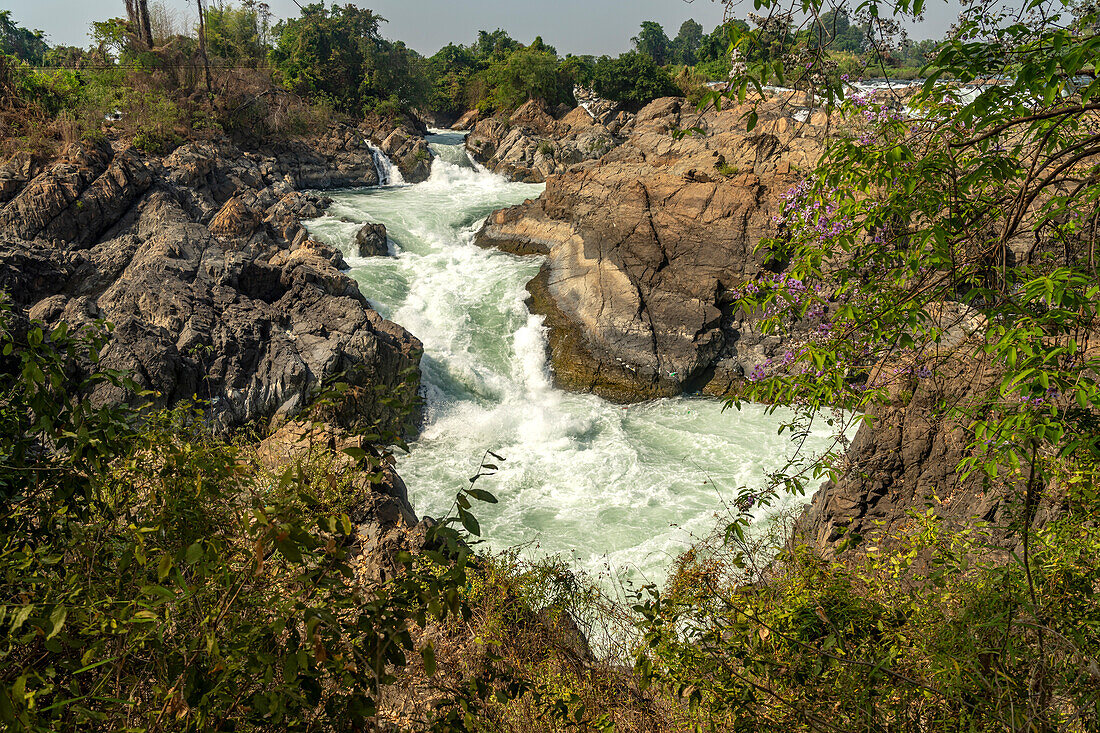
(613, 486)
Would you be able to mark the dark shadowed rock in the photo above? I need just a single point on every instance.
(371, 240)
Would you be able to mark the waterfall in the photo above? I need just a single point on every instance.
(388, 173)
(604, 484)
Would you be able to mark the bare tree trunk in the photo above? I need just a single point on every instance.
(202, 47)
(137, 12)
(146, 26)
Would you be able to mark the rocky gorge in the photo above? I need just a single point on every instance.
(644, 246)
(216, 290)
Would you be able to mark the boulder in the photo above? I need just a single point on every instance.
(371, 240)
(410, 153)
(531, 145)
(385, 523)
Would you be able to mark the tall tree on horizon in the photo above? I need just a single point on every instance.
(653, 42)
(202, 46)
(685, 46)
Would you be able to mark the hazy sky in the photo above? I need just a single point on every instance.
(573, 26)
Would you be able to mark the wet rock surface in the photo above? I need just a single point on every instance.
(402, 140)
(371, 240)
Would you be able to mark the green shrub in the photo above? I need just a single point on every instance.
(156, 142)
(633, 79)
(920, 632)
(153, 577)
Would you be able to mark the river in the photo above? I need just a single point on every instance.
(617, 489)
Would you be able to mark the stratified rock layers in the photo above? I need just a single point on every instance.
(644, 246)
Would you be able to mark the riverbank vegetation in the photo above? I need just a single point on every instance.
(241, 71)
(157, 576)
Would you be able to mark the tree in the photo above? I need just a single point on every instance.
(527, 74)
(539, 45)
(579, 69)
(25, 45)
(494, 46)
(338, 54)
(634, 79)
(239, 34)
(202, 45)
(137, 12)
(450, 70)
(946, 246)
(687, 42)
(652, 42)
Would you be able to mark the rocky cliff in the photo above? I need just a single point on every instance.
(532, 144)
(644, 245)
(200, 262)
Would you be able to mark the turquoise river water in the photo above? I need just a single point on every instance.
(617, 488)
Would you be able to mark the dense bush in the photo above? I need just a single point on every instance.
(337, 54)
(154, 576)
(933, 634)
(633, 79)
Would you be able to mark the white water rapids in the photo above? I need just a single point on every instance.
(614, 486)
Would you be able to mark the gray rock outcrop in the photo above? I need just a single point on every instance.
(215, 290)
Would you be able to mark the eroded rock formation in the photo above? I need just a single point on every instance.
(644, 245)
(200, 261)
(532, 145)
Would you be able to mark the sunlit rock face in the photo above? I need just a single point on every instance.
(200, 262)
(646, 244)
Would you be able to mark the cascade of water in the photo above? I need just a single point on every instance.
(621, 485)
(388, 173)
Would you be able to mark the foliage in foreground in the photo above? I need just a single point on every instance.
(946, 245)
(936, 632)
(155, 577)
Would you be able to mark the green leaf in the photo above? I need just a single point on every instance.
(21, 617)
(288, 549)
(57, 620)
(428, 654)
(164, 566)
(470, 523)
(482, 495)
(356, 453)
(194, 553)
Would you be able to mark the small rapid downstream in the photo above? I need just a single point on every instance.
(615, 487)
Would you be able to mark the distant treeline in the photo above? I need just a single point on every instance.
(336, 57)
